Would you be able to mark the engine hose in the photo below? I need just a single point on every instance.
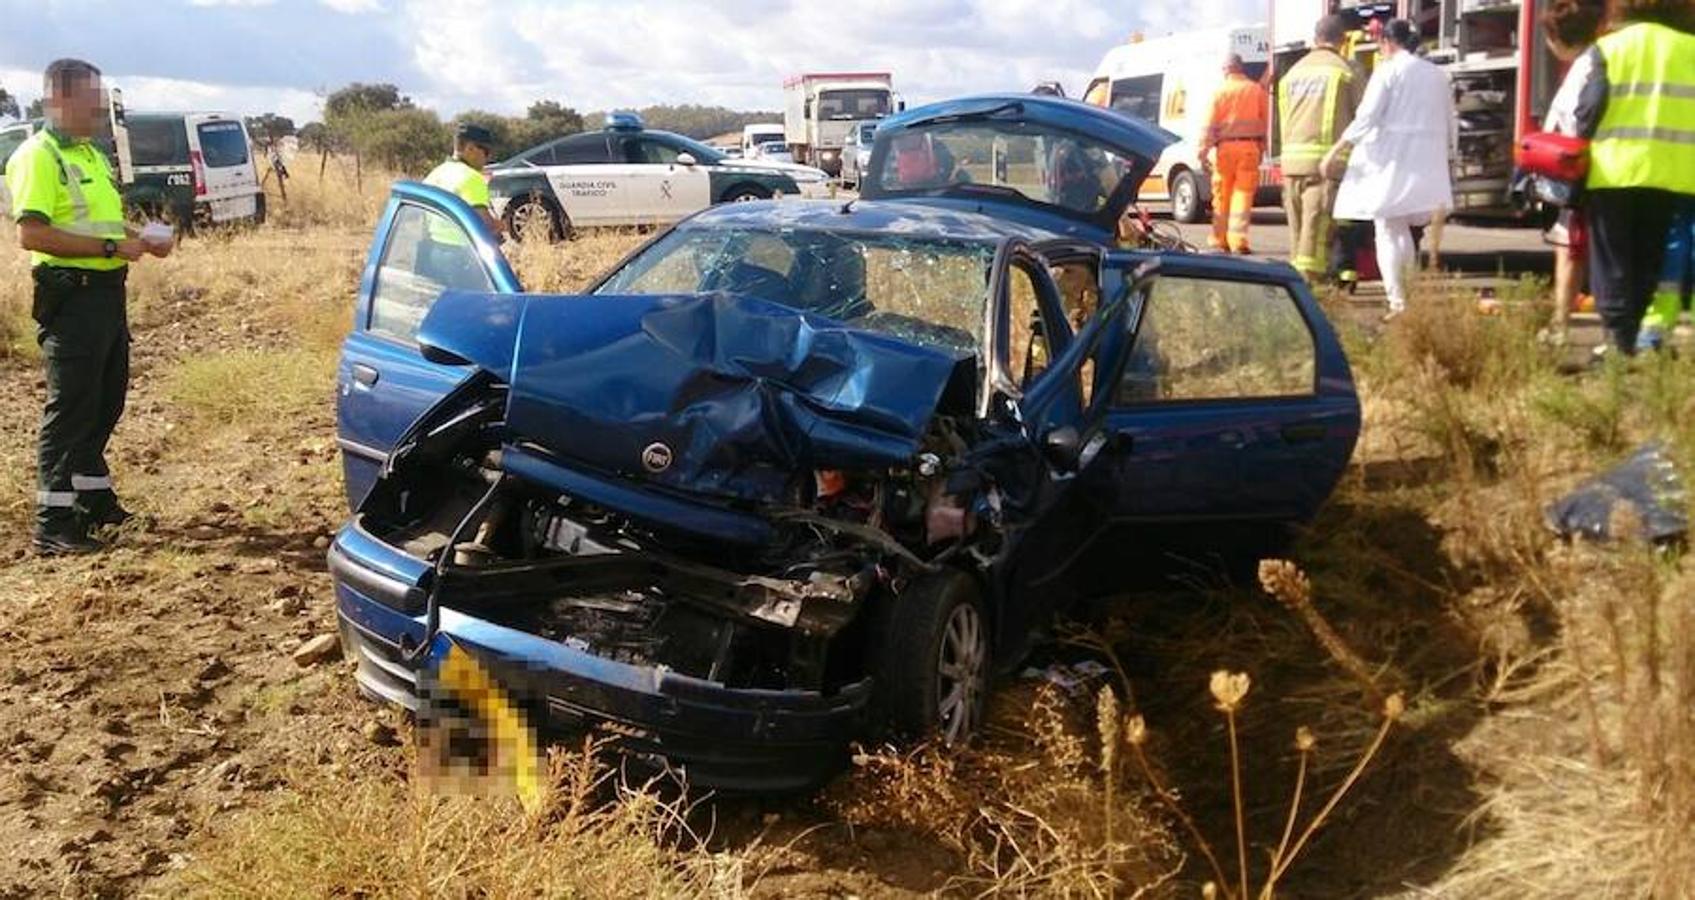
(432, 600)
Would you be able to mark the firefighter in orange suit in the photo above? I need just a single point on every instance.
(1236, 129)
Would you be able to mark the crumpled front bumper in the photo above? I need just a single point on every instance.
(721, 738)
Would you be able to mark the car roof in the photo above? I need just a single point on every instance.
(893, 217)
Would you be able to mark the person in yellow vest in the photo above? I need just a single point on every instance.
(443, 257)
(1637, 107)
(1315, 104)
(70, 218)
(1236, 128)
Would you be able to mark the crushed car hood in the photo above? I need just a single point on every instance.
(714, 394)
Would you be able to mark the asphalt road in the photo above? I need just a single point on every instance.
(1471, 248)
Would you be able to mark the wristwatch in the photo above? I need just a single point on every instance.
(110, 248)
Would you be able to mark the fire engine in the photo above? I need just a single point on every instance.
(1503, 75)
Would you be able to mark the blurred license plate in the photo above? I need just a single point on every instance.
(233, 208)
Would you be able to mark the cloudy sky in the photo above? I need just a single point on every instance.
(254, 56)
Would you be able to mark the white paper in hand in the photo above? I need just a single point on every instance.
(156, 233)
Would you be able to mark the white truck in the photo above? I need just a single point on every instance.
(753, 136)
(820, 109)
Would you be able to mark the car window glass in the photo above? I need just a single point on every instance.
(10, 141)
(1027, 343)
(1204, 339)
(222, 144)
(1045, 166)
(1079, 291)
(587, 148)
(1096, 93)
(158, 142)
(653, 152)
(932, 292)
(1138, 96)
(427, 254)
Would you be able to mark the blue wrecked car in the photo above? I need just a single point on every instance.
(798, 472)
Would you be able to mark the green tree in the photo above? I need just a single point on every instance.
(544, 121)
(359, 98)
(35, 110)
(694, 120)
(501, 127)
(9, 104)
(269, 128)
(407, 140)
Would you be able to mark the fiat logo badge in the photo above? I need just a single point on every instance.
(656, 457)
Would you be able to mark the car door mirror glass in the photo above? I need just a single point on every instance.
(685, 159)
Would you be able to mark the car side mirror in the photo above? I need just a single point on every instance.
(1063, 448)
(685, 159)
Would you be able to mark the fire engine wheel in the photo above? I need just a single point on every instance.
(933, 666)
(1186, 205)
(534, 219)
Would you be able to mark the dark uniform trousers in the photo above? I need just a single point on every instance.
(84, 335)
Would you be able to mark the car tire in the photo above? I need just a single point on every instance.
(534, 217)
(931, 663)
(746, 193)
(1186, 203)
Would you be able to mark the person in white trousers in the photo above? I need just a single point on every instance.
(1397, 153)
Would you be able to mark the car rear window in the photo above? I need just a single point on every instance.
(223, 144)
(158, 142)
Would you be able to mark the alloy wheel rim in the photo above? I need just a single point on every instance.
(1185, 197)
(531, 221)
(960, 665)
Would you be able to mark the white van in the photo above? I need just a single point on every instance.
(191, 169)
(1170, 81)
(754, 135)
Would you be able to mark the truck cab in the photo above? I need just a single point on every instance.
(821, 110)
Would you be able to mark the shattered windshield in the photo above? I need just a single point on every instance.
(930, 291)
(1044, 165)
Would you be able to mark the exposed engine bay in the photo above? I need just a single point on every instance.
(788, 612)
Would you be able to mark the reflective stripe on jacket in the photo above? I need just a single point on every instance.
(1240, 111)
(1315, 104)
(1645, 133)
(68, 184)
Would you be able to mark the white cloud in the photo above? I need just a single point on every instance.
(144, 93)
(231, 2)
(599, 54)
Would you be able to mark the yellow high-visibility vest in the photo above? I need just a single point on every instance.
(1646, 137)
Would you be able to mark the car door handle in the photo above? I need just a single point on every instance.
(1303, 432)
(365, 375)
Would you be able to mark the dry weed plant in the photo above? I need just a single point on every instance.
(384, 835)
(1037, 809)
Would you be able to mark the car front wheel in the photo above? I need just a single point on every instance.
(932, 670)
(534, 219)
(746, 193)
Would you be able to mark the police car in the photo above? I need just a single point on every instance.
(629, 175)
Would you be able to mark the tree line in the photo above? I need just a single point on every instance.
(380, 125)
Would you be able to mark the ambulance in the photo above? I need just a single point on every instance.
(1170, 81)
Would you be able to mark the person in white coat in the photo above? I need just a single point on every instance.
(1397, 155)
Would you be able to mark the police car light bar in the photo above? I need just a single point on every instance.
(623, 121)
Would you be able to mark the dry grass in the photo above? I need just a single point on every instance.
(380, 835)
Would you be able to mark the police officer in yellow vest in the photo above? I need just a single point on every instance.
(1315, 104)
(1637, 107)
(70, 217)
(462, 176)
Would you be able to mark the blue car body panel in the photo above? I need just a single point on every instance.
(383, 385)
(741, 396)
